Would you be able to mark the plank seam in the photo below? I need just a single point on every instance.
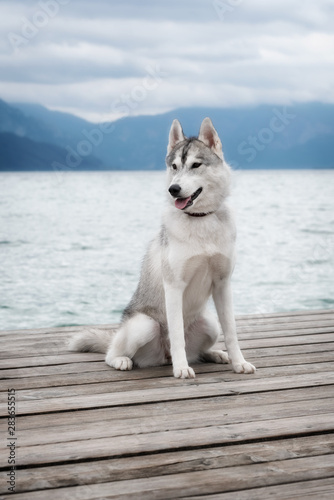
(180, 449)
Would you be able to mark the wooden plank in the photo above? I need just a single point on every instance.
(258, 352)
(288, 317)
(320, 489)
(149, 442)
(175, 462)
(84, 367)
(87, 431)
(165, 423)
(154, 382)
(198, 482)
(70, 368)
(72, 373)
(33, 361)
(77, 377)
(306, 397)
(285, 330)
(179, 389)
(315, 338)
(275, 353)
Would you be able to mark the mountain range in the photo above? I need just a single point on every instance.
(33, 137)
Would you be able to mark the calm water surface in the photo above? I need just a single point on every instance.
(71, 244)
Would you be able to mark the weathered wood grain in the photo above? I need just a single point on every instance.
(110, 385)
(306, 397)
(87, 431)
(321, 489)
(176, 390)
(148, 442)
(175, 462)
(164, 423)
(198, 482)
(71, 374)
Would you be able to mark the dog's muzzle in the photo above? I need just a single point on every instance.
(175, 190)
(182, 203)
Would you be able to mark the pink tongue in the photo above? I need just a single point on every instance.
(182, 202)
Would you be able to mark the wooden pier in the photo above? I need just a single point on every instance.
(85, 431)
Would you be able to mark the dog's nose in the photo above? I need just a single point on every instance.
(174, 190)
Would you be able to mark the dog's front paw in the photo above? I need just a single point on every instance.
(243, 367)
(120, 363)
(183, 372)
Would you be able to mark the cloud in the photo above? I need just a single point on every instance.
(91, 55)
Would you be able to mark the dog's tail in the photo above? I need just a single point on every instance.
(91, 340)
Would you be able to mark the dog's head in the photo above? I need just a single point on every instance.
(198, 175)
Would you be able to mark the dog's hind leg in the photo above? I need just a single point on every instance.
(129, 341)
(201, 337)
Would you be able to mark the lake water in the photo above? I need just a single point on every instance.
(71, 244)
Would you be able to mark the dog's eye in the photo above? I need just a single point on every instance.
(196, 165)
(174, 166)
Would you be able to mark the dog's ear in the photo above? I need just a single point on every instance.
(175, 135)
(209, 136)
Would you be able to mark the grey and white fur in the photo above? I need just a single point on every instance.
(191, 258)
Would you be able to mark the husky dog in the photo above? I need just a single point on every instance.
(190, 259)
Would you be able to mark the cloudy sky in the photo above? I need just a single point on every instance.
(101, 59)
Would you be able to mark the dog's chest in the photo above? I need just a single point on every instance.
(206, 268)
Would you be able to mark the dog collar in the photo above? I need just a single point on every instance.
(198, 214)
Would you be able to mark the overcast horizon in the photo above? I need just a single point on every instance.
(104, 60)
